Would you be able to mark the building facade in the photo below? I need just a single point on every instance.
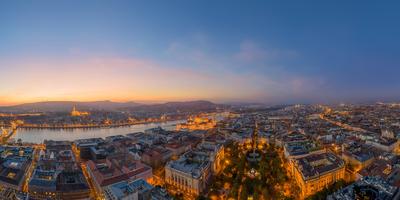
(315, 172)
(189, 174)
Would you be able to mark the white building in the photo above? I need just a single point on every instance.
(215, 152)
(385, 144)
(136, 190)
(190, 173)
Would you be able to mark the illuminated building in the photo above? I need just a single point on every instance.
(138, 189)
(358, 159)
(367, 188)
(387, 133)
(76, 113)
(159, 193)
(197, 123)
(56, 184)
(385, 167)
(215, 153)
(189, 174)
(15, 166)
(72, 185)
(315, 172)
(117, 168)
(297, 145)
(177, 147)
(156, 156)
(57, 175)
(385, 144)
(43, 184)
(83, 147)
(13, 172)
(213, 145)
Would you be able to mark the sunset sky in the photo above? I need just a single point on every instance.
(223, 51)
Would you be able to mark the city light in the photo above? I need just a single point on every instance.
(199, 100)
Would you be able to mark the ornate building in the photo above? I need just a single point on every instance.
(76, 113)
(315, 172)
(189, 174)
(197, 123)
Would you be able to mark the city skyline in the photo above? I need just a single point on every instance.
(199, 100)
(266, 52)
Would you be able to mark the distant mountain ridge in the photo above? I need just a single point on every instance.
(184, 106)
(66, 106)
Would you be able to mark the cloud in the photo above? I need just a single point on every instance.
(119, 78)
(266, 81)
(251, 52)
(187, 70)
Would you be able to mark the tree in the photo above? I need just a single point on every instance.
(281, 176)
(241, 166)
(235, 190)
(202, 198)
(263, 167)
(178, 196)
(256, 196)
(244, 193)
(266, 194)
(321, 195)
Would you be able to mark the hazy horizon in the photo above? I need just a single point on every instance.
(149, 102)
(261, 51)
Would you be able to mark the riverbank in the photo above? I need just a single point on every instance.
(87, 126)
(37, 135)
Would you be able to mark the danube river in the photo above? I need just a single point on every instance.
(35, 135)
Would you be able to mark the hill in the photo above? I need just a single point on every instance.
(186, 106)
(66, 106)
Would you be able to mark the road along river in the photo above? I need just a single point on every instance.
(36, 135)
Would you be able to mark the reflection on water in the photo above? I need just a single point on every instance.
(39, 135)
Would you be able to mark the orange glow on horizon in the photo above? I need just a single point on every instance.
(117, 79)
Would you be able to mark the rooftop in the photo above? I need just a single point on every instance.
(190, 163)
(123, 189)
(71, 181)
(318, 164)
(13, 169)
(366, 188)
(115, 169)
(88, 142)
(43, 178)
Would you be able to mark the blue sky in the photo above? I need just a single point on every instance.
(258, 51)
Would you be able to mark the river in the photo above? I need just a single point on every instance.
(35, 135)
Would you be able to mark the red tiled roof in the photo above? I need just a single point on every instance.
(114, 174)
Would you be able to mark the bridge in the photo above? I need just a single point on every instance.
(7, 133)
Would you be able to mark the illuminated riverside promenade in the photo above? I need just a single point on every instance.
(36, 135)
(39, 134)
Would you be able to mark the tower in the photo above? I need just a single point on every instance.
(73, 111)
(254, 138)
